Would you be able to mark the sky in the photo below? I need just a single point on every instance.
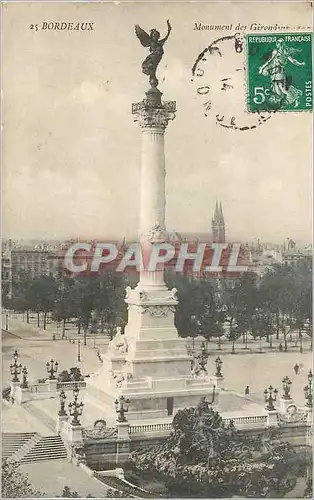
(71, 152)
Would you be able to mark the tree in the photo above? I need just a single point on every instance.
(199, 310)
(21, 301)
(40, 294)
(48, 290)
(73, 375)
(65, 304)
(110, 307)
(278, 287)
(303, 305)
(204, 457)
(229, 290)
(67, 493)
(211, 315)
(110, 493)
(14, 483)
(262, 324)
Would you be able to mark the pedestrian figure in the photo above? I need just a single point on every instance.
(247, 390)
(296, 368)
(280, 347)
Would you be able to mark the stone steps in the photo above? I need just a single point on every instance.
(47, 448)
(40, 415)
(12, 442)
(25, 449)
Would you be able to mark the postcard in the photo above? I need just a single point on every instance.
(157, 249)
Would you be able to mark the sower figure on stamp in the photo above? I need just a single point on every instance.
(155, 45)
(275, 67)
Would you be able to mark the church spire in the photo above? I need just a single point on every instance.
(218, 224)
(216, 213)
(221, 215)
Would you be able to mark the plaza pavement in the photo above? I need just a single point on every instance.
(257, 370)
(50, 477)
(36, 347)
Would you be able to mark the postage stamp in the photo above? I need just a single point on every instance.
(279, 72)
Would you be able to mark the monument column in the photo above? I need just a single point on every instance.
(153, 173)
(153, 117)
(151, 366)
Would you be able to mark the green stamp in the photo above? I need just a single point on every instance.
(279, 72)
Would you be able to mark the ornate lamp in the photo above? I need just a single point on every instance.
(76, 391)
(308, 390)
(203, 357)
(76, 409)
(15, 368)
(52, 368)
(219, 364)
(62, 398)
(270, 397)
(286, 382)
(122, 407)
(15, 371)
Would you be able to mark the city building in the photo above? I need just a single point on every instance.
(293, 255)
(32, 262)
(6, 275)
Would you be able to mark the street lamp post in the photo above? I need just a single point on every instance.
(76, 409)
(203, 357)
(286, 382)
(52, 368)
(15, 371)
(219, 342)
(219, 364)
(308, 390)
(15, 367)
(122, 407)
(62, 398)
(24, 374)
(270, 397)
(79, 350)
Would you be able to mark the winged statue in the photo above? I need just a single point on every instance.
(155, 44)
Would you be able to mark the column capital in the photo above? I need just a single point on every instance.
(153, 115)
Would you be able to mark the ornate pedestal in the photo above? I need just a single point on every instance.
(22, 394)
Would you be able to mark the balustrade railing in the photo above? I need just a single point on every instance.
(254, 419)
(133, 429)
(69, 386)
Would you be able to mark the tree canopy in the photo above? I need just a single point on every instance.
(14, 483)
(205, 457)
(277, 303)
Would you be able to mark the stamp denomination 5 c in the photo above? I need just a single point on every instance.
(279, 72)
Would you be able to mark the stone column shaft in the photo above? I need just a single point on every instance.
(153, 174)
(153, 117)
